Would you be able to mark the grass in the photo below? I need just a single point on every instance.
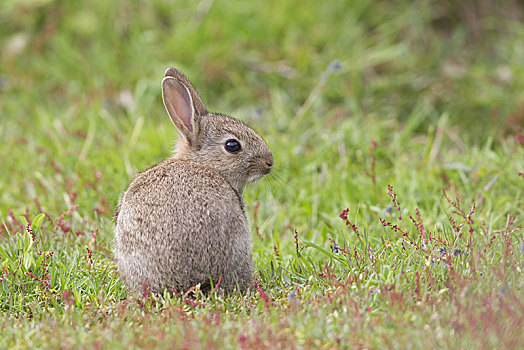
(352, 97)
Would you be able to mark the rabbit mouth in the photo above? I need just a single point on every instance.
(256, 177)
(260, 173)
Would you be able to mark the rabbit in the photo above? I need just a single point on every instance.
(182, 222)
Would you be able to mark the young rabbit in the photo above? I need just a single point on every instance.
(182, 222)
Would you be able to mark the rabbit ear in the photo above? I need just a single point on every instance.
(198, 105)
(179, 106)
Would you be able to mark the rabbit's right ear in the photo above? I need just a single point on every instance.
(179, 105)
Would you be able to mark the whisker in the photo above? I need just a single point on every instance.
(269, 187)
(278, 177)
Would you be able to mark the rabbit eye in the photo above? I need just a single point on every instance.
(232, 146)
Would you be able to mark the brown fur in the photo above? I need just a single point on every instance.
(182, 222)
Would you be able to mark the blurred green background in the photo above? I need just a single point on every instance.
(397, 57)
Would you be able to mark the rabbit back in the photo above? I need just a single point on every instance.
(181, 224)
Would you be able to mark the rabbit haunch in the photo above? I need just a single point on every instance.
(182, 222)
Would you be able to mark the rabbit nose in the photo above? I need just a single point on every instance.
(269, 161)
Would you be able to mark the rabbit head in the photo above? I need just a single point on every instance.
(216, 141)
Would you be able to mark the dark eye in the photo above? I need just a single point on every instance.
(233, 146)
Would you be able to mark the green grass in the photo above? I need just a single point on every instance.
(437, 90)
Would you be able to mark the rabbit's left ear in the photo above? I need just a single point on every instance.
(198, 105)
(179, 105)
